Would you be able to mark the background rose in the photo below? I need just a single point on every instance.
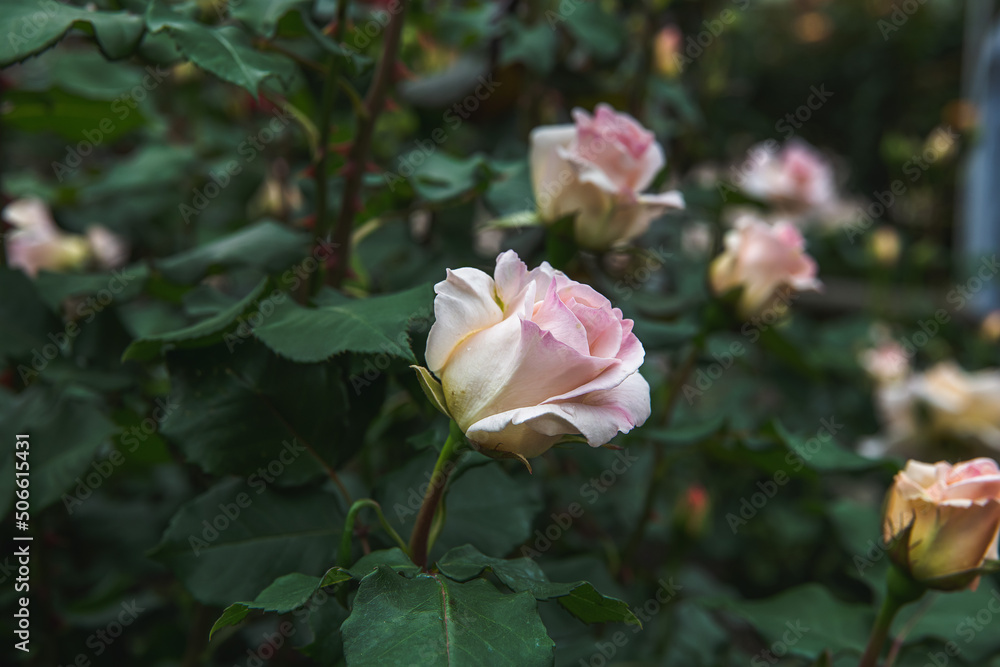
(946, 520)
(797, 178)
(36, 243)
(962, 403)
(761, 258)
(597, 169)
(528, 357)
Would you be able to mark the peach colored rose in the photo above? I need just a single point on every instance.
(961, 403)
(527, 358)
(796, 178)
(36, 243)
(762, 258)
(597, 170)
(941, 521)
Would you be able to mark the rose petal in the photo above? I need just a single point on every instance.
(464, 305)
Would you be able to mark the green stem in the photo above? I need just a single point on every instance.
(419, 538)
(344, 557)
(901, 591)
(331, 73)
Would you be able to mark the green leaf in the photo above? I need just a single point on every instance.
(430, 620)
(205, 332)
(262, 16)
(810, 615)
(821, 451)
(69, 116)
(288, 592)
(266, 246)
(394, 558)
(524, 575)
(268, 534)
(122, 284)
(225, 52)
(441, 177)
(242, 411)
(232, 615)
(372, 325)
(32, 27)
(67, 429)
(25, 322)
(535, 47)
(595, 30)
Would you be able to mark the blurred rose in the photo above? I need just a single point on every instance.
(762, 258)
(108, 249)
(597, 169)
(961, 403)
(944, 520)
(990, 328)
(36, 243)
(667, 51)
(885, 245)
(796, 178)
(886, 363)
(528, 357)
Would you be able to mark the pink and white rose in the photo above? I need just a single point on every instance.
(527, 358)
(796, 178)
(597, 169)
(761, 258)
(108, 249)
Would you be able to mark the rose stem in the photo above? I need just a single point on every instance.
(344, 559)
(355, 166)
(900, 591)
(435, 491)
(328, 95)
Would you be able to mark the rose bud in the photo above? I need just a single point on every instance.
(761, 258)
(941, 522)
(597, 169)
(667, 54)
(528, 359)
(36, 243)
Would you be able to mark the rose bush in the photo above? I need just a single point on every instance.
(597, 169)
(944, 520)
(526, 358)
